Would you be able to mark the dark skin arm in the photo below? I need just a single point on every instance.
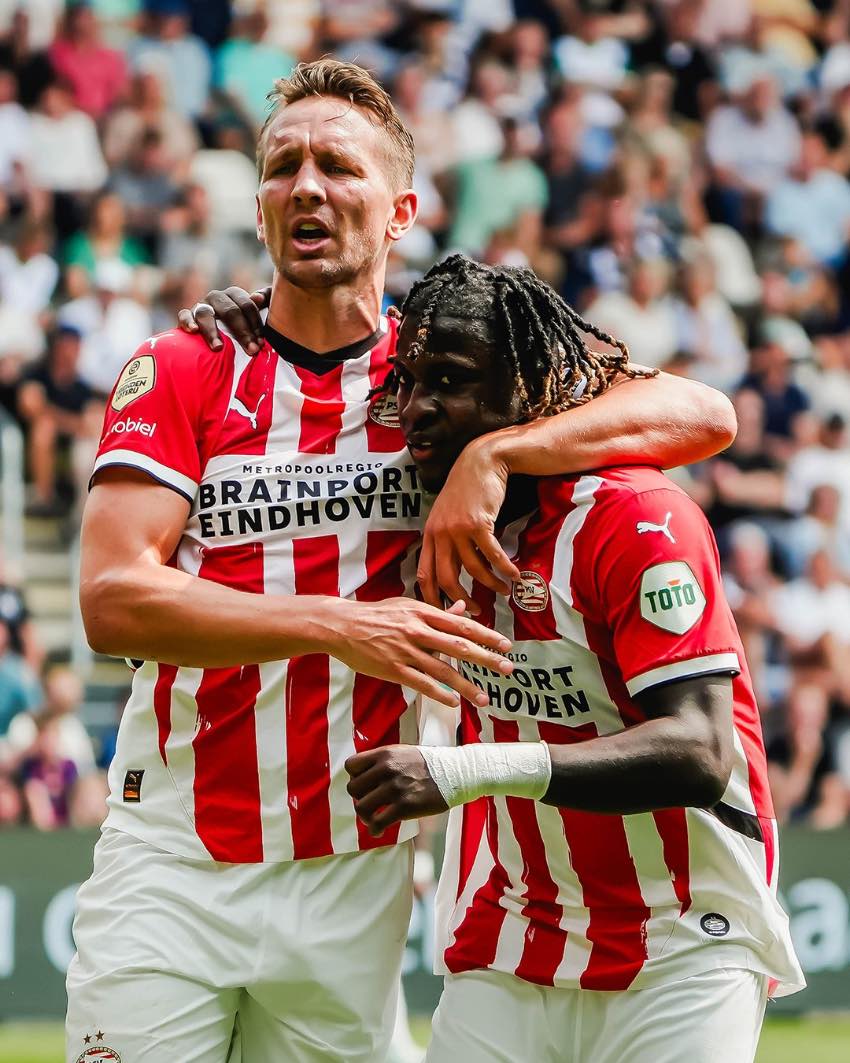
(681, 756)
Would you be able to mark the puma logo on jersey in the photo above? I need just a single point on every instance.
(243, 411)
(644, 526)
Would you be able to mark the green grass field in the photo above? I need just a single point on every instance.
(820, 1040)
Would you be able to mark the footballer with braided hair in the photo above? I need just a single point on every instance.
(543, 337)
(611, 857)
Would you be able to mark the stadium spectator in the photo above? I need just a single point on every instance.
(147, 187)
(104, 240)
(644, 316)
(432, 128)
(477, 131)
(67, 160)
(110, 321)
(15, 136)
(707, 330)
(750, 583)
(167, 48)
(746, 481)
(771, 374)
(190, 241)
(813, 204)
(752, 144)
(508, 192)
(61, 414)
(25, 59)
(15, 614)
(19, 688)
(245, 65)
(822, 458)
(354, 30)
(47, 778)
(802, 768)
(812, 613)
(28, 279)
(62, 700)
(97, 74)
(147, 110)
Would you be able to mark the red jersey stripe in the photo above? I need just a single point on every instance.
(478, 935)
(377, 706)
(545, 940)
(382, 436)
(617, 928)
(767, 828)
(316, 564)
(248, 417)
(474, 814)
(167, 673)
(321, 414)
(672, 826)
(536, 547)
(226, 784)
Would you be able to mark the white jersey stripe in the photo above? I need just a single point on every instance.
(166, 475)
(570, 623)
(340, 748)
(511, 941)
(714, 662)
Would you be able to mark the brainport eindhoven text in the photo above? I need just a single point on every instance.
(243, 507)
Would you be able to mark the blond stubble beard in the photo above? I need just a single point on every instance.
(332, 273)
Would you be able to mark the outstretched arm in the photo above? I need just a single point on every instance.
(681, 756)
(663, 420)
(135, 604)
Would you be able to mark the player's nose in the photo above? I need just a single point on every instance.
(420, 410)
(308, 186)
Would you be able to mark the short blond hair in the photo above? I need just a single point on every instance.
(345, 81)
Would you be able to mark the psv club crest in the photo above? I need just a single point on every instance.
(97, 1052)
(384, 410)
(530, 592)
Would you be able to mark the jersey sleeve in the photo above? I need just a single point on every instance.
(658, 589)
(153, 419)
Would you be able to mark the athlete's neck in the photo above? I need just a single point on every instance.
(324, 319)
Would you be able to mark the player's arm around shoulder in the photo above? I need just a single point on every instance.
(663, 420)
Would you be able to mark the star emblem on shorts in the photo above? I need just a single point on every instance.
(99, 1035)
(87, 1039)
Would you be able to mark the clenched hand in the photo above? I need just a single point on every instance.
(390, 784)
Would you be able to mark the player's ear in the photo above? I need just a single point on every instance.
(261, 231)
(401, 221)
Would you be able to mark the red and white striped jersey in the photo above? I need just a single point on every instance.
(299, 484)
(620, 592)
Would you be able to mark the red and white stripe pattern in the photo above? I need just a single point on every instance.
(606, 902)
(297, 488)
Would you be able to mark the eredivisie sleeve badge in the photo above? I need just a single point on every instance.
(137, 378)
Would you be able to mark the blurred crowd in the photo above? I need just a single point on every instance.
(678, 169)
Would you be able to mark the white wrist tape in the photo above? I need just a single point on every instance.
(510, 769)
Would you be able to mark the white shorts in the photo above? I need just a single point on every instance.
(490, 1017)
(203, 962)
